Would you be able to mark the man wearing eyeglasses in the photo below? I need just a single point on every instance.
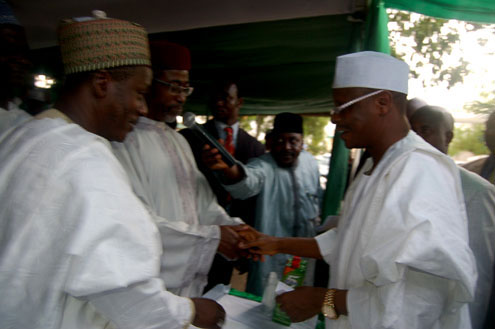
(165, 177)
(399, 256)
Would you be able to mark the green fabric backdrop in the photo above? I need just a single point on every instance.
(282, 65)
(482, 11)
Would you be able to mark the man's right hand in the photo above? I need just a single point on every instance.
(209, 314)
(212, 158)
(229, 240)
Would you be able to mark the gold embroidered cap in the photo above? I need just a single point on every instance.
(95, 43)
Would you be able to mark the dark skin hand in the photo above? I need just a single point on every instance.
(271, 245)
(209, 314)
(229, 240)
(231, 236)
(247, 235)
(213, 160)
(305, 302)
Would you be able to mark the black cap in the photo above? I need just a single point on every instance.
(288, 123)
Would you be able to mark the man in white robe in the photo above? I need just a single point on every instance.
(436, 126)
(399, 257)
(78, 248)
(164, 175)
(14, 69)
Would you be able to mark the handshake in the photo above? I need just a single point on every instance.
(244, 241)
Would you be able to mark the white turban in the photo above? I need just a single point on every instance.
(369, 69)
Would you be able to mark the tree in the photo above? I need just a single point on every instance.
(314, 133)
(483, 107)
(262, 124)
(432, 41)
(471, 140)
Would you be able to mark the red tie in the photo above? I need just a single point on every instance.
(229, 140)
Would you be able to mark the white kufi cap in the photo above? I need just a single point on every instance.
(370, 69)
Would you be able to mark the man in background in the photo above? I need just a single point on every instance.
(226, 107)
(436, 126)
(286, 181)
(485, 167)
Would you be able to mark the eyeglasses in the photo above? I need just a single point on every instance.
(175, 88)
(337, 109)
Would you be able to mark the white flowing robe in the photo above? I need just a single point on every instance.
(164, 175)
(74, 238)
(401, 246)
(479, 195)
(277, 211)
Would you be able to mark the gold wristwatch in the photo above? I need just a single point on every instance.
(328, 308)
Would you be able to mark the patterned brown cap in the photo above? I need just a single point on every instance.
(95, 43)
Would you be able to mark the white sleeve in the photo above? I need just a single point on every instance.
(145, 305)
(326, 242)
(415, 302)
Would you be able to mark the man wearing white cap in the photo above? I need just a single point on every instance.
(399, 256)
(78, 248)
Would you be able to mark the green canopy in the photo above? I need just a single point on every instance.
(282, 66)
(482, 11)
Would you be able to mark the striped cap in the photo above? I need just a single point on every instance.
(95, 43)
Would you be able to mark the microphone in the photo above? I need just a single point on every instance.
(189, 120)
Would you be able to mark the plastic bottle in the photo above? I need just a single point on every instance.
(268, 300)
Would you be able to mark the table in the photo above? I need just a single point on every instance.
(243, 313)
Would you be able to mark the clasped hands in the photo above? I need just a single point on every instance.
(244, 241)
(303, 302)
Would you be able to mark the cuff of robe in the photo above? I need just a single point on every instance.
(240, 185)
(326, 242)
(193, 313)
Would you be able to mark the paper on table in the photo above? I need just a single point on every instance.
(282, 288)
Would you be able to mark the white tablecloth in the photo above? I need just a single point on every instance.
(247, 314)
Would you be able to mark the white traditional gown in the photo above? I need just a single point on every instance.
(401, 246)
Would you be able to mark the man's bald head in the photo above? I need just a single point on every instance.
(412, 105)
(435, 125)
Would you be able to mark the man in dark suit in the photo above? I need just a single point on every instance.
(225, 106)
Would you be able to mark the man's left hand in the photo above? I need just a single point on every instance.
(302, 303)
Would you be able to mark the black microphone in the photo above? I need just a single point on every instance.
(189, 120)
